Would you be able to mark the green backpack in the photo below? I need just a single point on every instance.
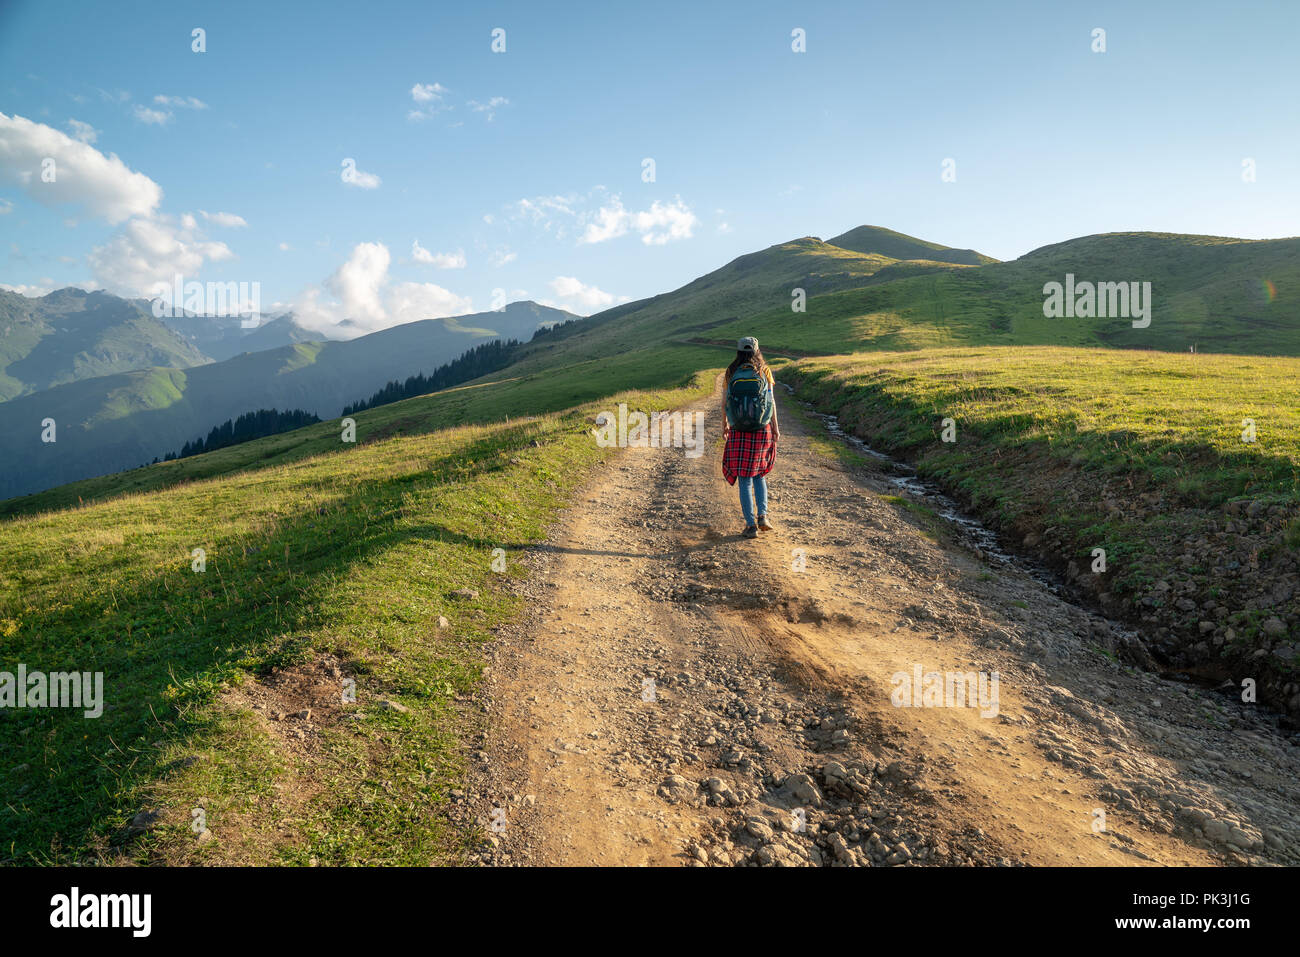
(749, 400)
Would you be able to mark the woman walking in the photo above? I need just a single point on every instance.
(751, 432)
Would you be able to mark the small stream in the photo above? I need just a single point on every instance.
(973, 533)
(969, 530)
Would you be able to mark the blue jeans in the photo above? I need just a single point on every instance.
(759, 486)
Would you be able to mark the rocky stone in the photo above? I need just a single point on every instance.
(840, 849)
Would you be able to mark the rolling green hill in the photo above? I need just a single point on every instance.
(755, 284)
(1208, 293)
(71, 335)
(885, 242)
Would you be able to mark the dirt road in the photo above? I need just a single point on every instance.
(679, 695)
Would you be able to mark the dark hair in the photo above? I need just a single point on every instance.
(754, 359)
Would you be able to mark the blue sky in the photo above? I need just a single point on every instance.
(522, 171)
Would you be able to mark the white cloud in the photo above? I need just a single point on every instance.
(578, 297)
(83, 132)
(229, 220)
(454, 260)
(411, 301)
(155, 117)
(427, 92)
(32, 292)
(429, 101)
(610, 222)
(149, 251)
(554, 214)
(503, 256)
(361, 180)
(661, 223)
(102, 185)
(539, 208)
(357, 282)
(180, 102)
(490, 107)
(285, 247)
(6, 207)
(367, 298)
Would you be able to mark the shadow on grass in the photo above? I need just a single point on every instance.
(70, 782)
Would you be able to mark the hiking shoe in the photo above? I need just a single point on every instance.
(751, 531)
(764, 524)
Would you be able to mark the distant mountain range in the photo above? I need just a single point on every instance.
(223, 337)
(72, 334)
(118, 421)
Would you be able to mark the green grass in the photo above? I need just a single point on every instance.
(506, 394)
(313, 548)
(1177, 418)
(820, 443)
(887, 242)
(1139, 453)
(1207, 292)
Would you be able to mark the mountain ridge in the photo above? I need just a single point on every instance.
(115, 422)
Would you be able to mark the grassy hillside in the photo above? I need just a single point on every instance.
(886, 242)
(336, 561)
(117, 422)
(1141, 454)
(1216, 295)
(749, 285)
(71, 335)
(485, 401)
